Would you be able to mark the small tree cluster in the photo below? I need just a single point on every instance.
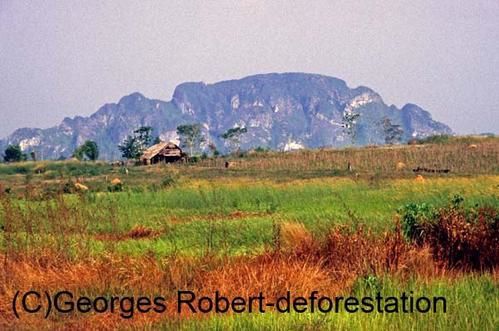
(134, 145)
(350, 124)
(88, 151)
(393, 132)
(14, 153)
(233, 137)
(191, 137)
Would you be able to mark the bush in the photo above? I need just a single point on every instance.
(193, 159)
(261, 149)
(115, 187)
(457, 237)
(466, 238)
(68, 187)
(14, 153)
(22, 170)
(415, 219)
(436, 139)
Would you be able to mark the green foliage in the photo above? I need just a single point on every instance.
(68, 187)
(191, 136)
(350, 124)
(393, 132)
(469, 292)
(436, 139)
(156, 140)
(194, 159)
(168, 181)
(134, 145)
(115, 188)
(130, 148)
(143, 135)
(415, 218)
(213, 149)
(13, 153)
(233, 137)
(22, 170)
(88, 151)
(261, 149)
(367, 283)
(457, 200)
(77, 169)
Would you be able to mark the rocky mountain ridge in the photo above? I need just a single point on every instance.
(280, 111)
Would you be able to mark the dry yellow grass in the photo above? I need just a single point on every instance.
(458, 157)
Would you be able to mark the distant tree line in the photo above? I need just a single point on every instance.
(14, 153)
(192, 138)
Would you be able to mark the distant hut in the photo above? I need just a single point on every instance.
(164, 152)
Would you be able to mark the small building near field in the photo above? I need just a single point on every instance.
(164, 152)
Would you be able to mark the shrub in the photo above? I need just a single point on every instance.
(21, 170)
(436, 139)
(415, 219)
(68, 187)
(14, 153)
(115, 187)
(140, 231)
(466, 238)
(261, 149)
(457, 237)
(193, 159)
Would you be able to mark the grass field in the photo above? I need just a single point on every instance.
(272, 222)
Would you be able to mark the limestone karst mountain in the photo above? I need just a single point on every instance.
(280, 111)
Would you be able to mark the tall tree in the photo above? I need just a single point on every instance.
(129, 148)
(134, 145)
(88, 151)
(233, 137)
(144, 136)
(191, 136)
(350, 124)
(393, 132)
(13, 153)
(156, 140)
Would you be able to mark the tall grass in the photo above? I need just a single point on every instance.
(336, 235)
(458, 157)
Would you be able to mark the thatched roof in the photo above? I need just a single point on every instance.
(163, 148)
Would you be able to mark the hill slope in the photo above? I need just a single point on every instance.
(280, 111)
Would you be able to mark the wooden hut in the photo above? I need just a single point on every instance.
(164, 152)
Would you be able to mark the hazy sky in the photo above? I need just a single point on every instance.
(67, 58)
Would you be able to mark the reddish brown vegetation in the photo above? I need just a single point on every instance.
(140, 231)
(298, 262)
(300, 265)
(464, 239)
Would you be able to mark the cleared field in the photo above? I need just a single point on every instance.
(314, 226)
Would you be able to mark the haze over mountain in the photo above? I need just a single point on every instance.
(280, 111)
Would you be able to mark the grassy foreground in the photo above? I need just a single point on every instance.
(241, 231)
